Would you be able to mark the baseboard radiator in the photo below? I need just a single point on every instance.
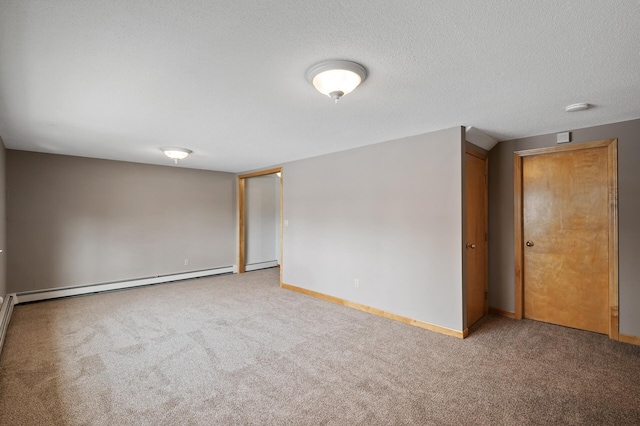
(5, 316)
(54, 293)
(261, 265)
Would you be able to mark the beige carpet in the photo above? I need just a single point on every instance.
(237, 349)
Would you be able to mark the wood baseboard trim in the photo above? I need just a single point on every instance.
(502, 313)
(627, 338)
(379, 312)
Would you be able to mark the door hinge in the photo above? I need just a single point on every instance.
(485, 178)
(485, 237)
(486, 295)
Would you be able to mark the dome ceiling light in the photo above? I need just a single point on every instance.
(336, 78)
(176, 153)
(577, 107)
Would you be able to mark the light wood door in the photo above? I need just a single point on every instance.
(476, 236)
(566, 238)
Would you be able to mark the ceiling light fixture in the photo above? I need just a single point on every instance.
(577, 107)
(336, 78)
(176, 153)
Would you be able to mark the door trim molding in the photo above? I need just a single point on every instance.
(471, 151)
(241, 216)
(612, 170)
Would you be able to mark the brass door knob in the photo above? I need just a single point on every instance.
(471, 246)
(529, 243)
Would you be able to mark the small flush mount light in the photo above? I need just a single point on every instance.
(336, 78)
(577, 107)
(176, 153)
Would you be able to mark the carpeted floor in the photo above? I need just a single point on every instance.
(237, 349)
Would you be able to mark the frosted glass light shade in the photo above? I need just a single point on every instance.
(176, 153)
(336, 81)
(336, 78)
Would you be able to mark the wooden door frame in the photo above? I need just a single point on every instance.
(612, 171)
(484, 157)
(241, 216)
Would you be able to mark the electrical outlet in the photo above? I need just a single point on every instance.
(186, 262)
(356, 283)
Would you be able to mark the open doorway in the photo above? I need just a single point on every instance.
(260, 220)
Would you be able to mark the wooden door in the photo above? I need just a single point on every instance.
(566, 238)
(476, 236)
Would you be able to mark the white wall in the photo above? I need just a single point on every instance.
(262, 219)
(388, 214)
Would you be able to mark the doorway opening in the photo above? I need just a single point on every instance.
(258, 215)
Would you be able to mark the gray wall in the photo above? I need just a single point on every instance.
(501, 263)
(262, 218)
(74, 221)
(388, 214)
(276, 197)
(3, 215)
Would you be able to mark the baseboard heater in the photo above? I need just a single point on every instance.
(5, 316)
(261, 265)
(54, 293)
(33, 296)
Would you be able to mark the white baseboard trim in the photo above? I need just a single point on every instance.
(5, 316)
(261, 265)
(54, 293)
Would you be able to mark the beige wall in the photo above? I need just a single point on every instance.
(74, 221)
(388, 214)
(501, 272)
(262, 219)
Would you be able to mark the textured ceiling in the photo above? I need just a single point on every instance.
(226, 79)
